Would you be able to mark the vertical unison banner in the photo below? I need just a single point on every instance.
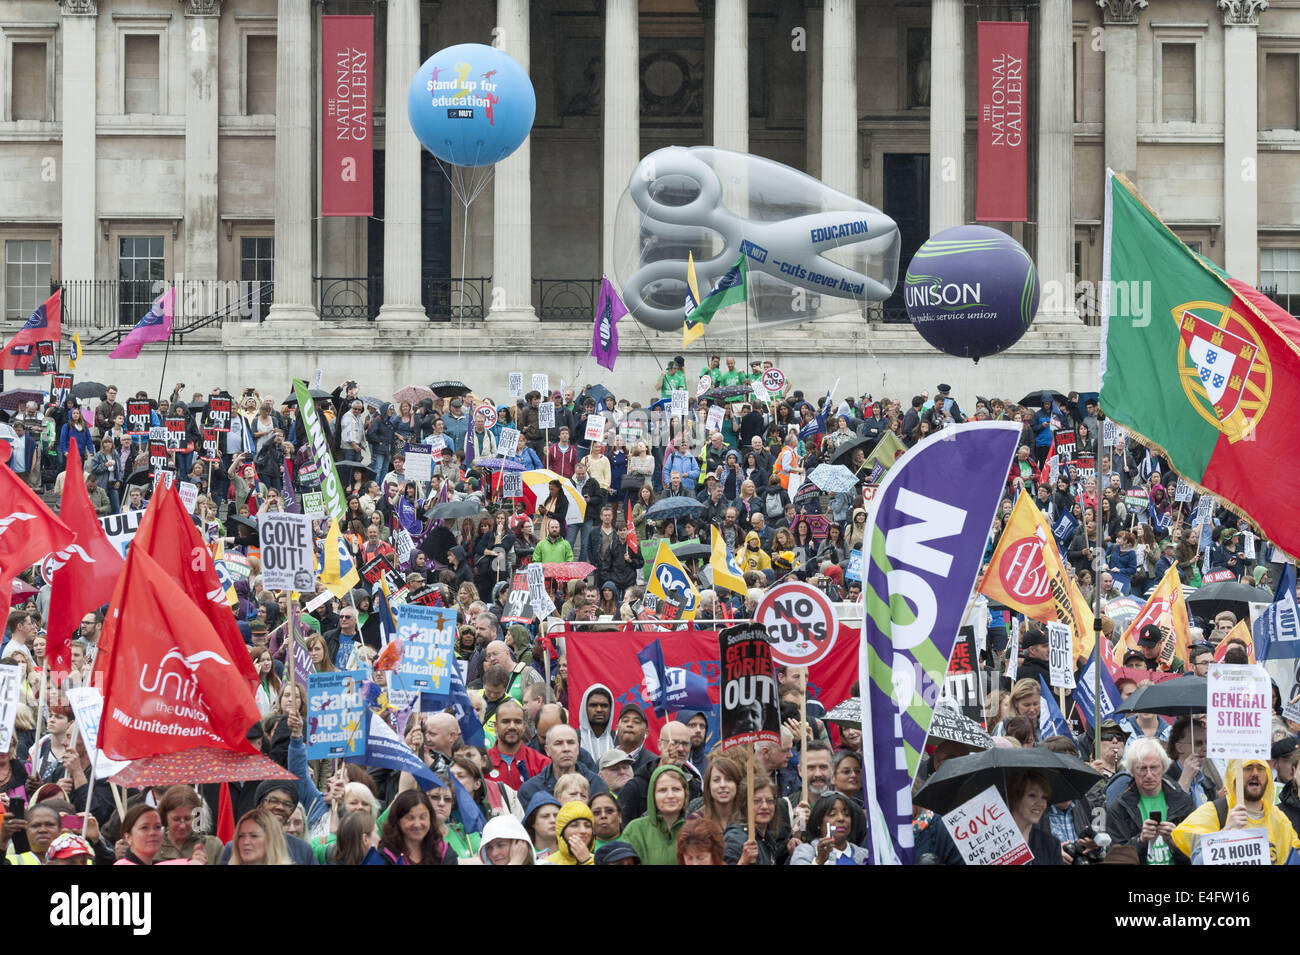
(1001, 180)
(347, 140)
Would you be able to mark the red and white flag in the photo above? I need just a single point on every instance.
(84, 573)
(169, 682)
(28, 531)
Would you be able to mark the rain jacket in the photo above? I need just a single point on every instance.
(568, 813)
(597, 746)
(502, 827)
(1282, 837)
(653, 841)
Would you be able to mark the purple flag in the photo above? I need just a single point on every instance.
(604, 334)
(287, 493)
(156, 326)
(926, 535)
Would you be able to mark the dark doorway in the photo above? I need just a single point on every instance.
(435, 231)
(907, 202)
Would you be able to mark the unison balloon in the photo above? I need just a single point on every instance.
(971, 291)
(471, 105)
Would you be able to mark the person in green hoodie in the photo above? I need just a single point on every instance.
(654, 835)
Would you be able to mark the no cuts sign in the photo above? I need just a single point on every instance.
(800, 622)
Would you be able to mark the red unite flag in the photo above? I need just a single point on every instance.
(28, 531)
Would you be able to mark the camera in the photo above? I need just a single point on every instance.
(1092, 856)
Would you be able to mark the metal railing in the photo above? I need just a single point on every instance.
(116, 305)
(456, 299)
(566, 300)
(341, 299)
(445, 299)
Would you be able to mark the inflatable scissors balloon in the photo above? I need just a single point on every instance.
(803, 241)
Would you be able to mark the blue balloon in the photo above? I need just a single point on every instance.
(471, 105)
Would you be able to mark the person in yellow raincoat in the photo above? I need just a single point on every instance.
(1256, 811)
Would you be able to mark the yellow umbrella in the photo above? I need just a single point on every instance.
(542, 476)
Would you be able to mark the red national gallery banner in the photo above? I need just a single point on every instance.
(1002, 160)
(609, 658)
(347, 134)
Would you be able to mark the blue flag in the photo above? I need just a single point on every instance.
(1160, 523)
(1277, 631)
(818, 424)
(384, 748)
(672, 688)
(387, 621)
(457, 700)
(1083, 701)
(1064, 529)
(1050, 720)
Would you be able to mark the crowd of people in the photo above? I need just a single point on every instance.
(541, 791)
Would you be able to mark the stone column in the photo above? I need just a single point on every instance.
(403, 304)
(294, 164)
(840, 96)
(620, 114)
(512, 214)
(1056, 160)
(947, 114)
(1240, 135)
(80, 239)
(203, 28)
(731, 75)
(813, 80)
(1120, 18)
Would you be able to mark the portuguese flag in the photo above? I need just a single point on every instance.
(1199, 366)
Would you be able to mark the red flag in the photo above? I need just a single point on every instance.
(225, 815)
(28, 531)
(633, 545)
(85, 573)
(168, 533)
(45, 325)
(169, 682)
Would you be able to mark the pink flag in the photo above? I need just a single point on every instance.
(156, 326)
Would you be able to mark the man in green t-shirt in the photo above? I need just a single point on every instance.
(731, 376)
(712, 369)
(1145, 815)
(671, 380)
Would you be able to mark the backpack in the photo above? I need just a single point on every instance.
(773, 506)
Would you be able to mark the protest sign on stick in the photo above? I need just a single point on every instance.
(1235, 847)
(1060, 655)
(286, 550)
(516, 386)
(427, 635)
(541, 382)
(985, 833)
(546, 415)
(336, 714)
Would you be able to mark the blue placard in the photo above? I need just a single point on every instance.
(336, 714)
(428, 636)
(855, 566)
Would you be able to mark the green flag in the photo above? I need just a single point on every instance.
(336, 504)
(887, 450)
(729, 290)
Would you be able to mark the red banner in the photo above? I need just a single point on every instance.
(347, 142)
(610, 659)
(1001, 181)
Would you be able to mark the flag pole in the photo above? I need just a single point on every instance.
(749, 788)
(803, 746)
(162, 376)
(1097, 635)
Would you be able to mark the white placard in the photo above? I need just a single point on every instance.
(88, 707)
(536, 581)
(508, 443)
(158, 435)
(1239, 718)
(419, 462)
(313, 504)
(680, 403)
(121, 528)
(714, 420)
(318, 379)
(512, 484)
(985, 833)
(516, 385)
(543, 606)
(1110, 433)
(189, 495)
(546, 414)
(1248, 544)
(11, 681)
(595, 430)
(542, 383)
(403, 544)
(319, 600)
(1205, 510)
(1235, 847)
(286, 550)
(1060, 655)
(1013, 650)
(1182, 491)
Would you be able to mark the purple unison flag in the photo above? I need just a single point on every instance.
(926, 534)
(604, 335)
(156, 326)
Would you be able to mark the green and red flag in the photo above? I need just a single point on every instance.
(1199, 366)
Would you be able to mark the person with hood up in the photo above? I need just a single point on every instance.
(505, 842)
(753, 557)
(675, 750)
(539, 822)
(575, 835)
(654, 835)
(596, 720)
(1255, 810)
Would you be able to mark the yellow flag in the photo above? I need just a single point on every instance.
(339, 573)
(1166, 609)
(671, 584)
(725, 572)
(74, 352)
(1027, 574)
(1239, 634)
(223, 575)
(691, 330)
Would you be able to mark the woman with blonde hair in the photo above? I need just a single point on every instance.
(259, 840)
(1026, 701)
(320, 654)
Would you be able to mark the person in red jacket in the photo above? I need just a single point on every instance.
(513, 763)
(562, 457)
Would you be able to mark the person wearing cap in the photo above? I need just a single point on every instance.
(1285, 757)
(1113, 737)
(1033, 642)
(1145, 814)
(1150, 639)
(615, 768)
(1253, 808)
(456, 423)
(69, 848)
(671, 379)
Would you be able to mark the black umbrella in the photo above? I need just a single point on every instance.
(449, 389)
(1034, 400)
(691, 551)
(352, 465)
(957, 727)
(316, 395)
(143, 476)
(436, 544)
(844, 453)
(965, 777)
(1178, 697)
(598, 393)
(1227, 595)
(449, 510)
(670, 508)
(89, 389)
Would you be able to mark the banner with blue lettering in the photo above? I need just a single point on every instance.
(925, 537)
(427, 635)
(336, 714)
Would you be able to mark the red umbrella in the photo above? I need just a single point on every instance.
(202, 764)
(570, 570)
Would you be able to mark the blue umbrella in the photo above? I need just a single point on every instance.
(833, 478)
(670, 508)
(498, 464)
(598, 393)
